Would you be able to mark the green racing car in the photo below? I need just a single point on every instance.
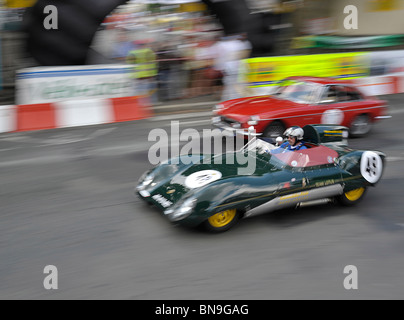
(213, 194)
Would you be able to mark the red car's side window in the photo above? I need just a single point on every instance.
(353, 94)
(341, 93)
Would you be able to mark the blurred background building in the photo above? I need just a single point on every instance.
(90, 31)
(322, 30)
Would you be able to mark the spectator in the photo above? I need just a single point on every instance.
(202, 62)
(216, 68)
(169, 65)
(234, 49)
(191, 64)
(145, 70)
(164, 56)
(122, 48)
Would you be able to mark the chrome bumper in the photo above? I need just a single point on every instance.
(382, 117)
(232, 131)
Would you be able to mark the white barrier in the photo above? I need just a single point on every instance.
(378, 85)
(8, 120)
(75, 113)
(53, 84)
(82, 112)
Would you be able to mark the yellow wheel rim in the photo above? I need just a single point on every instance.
(223, 218)
(354, 194)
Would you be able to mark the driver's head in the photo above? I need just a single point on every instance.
(294, 134)
(292, 140)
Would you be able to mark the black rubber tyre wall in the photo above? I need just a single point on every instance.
(78, 21)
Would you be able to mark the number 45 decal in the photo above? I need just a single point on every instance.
(371, 166)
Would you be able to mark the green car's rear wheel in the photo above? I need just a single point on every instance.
(222, 221)
(352, 197)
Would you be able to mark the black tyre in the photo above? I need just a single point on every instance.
(69, 44)
(274, 129)
(360, 126)
(352, 197)
(222, 221)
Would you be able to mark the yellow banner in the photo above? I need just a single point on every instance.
(384, 5)
(192, 7)
(266, 71)
(19, 3)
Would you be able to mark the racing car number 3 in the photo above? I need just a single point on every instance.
(371, 166)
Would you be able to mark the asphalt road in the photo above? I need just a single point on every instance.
(67, 200)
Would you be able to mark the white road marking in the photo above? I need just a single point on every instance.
(8, 149)
(114, 150)
(19, 138)
(198, 122)
(186, 105)
(181, 116)
(60, 139)
(101, 132)
(395, 111)
(393, 159)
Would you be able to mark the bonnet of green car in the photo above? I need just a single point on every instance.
(179, 176)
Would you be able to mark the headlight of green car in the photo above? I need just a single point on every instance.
(145, 180)
(181, 210)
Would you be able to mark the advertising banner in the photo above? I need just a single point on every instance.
(384, 5)
(386, 62)
(52, 84)
(338, 42)
(19, 3)
(267, 71)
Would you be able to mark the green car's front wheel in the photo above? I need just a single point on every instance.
(352, 197)
(222, 221)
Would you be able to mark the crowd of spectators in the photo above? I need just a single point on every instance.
(193, 57)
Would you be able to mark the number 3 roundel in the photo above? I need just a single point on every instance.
(371, 166)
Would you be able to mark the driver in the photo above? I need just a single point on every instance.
(295, 136)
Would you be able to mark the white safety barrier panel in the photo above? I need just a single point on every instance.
(8, 121)
(378, 85)
(52, 84)
(75, 113)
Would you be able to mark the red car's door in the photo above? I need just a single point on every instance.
(338, 104)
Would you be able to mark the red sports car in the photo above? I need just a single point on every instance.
(301, 101)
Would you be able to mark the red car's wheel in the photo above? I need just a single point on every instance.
(360, 126)
(274, 129)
